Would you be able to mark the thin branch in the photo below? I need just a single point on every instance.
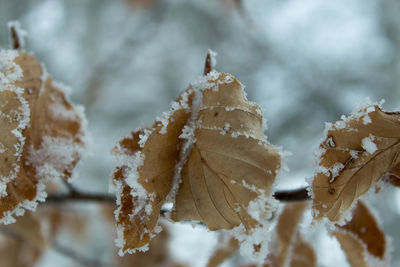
(80, 196)
(299, 194)
(208, 64)
(70, 187)
(15, 39)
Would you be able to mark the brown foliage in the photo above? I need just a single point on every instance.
(357, 153)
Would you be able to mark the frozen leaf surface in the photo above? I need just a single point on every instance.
(44, 134)
(362, 239)
(229, 171)
(208, 155)
(144, 175)
(356, 153)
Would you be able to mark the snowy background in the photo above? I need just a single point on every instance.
(306, 62)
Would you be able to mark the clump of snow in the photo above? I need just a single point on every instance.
(188, 137)
(54, 155)
(9, 70)
(335, 170)
(368, 144)
(254, 243)
(19, 210)
(183, 103)
(143, 137)
(213, 57)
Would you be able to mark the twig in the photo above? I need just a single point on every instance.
(16, 44)
(208, 64)
(80, 196)
(292, 195)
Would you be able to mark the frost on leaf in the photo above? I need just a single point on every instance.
(145, 167)
(357, 152)
(228, 174)
(286, 234)
(362, 240)
(208, 155)
(158, 254)
(35, 143)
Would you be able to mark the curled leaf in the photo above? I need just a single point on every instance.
(357, 152)
(362, 239)
(227, 176)
(143, 178)
(44, 134)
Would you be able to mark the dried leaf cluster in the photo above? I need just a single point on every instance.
(207, 157)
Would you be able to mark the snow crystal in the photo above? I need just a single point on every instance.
(143, 137)
(188, 135)
(368, 144)
(335, 171)
(54, 154)
(257, 237)
(354, 154)
(166, 116)
(19, 210)
(60, 111)
(213, 57)
(205, 82)
(9, 70)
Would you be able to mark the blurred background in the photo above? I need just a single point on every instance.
(306, 62)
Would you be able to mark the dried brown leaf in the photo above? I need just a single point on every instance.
(230, 166)
(17, 253)
(145, 173)
(49, 138)
(225, 250)
(361, 238)
(356, 154)
(286, 233)
(157, 256)
(303, 254)
(28, 227)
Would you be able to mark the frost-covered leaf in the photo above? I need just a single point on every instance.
(145, 167)
(208, 155)
(227, 246)
(227, 176)
(286, 233)
(356, 153)
(362, 240)
(44, 134)
(158, 254)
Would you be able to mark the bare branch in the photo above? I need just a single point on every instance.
(15, 39)
(80, 196)
(208, 64)
(299, 194)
